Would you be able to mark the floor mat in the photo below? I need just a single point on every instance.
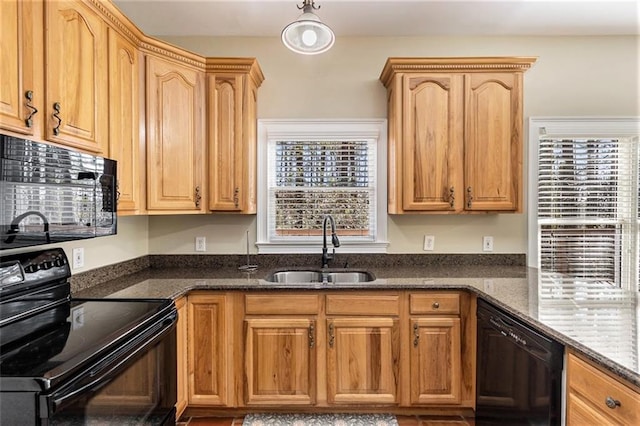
(320, 420)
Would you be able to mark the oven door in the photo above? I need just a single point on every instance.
(135, 386)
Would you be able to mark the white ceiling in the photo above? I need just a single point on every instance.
(388, 17)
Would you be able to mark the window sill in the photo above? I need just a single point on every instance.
(311, 248)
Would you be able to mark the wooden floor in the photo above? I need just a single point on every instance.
(402, 421)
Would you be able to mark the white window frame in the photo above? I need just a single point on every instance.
(567, 127)
(273, 130)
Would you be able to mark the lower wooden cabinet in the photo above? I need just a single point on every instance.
(356, 350)
(595, 397)
(209, 349)
(363, 348)
(280, 361)
(435, 361)
(362, 360)
(182, 331)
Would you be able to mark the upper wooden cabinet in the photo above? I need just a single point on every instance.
(20, 94)
(455, 134)
(175, 137)
(125, 142)
(232, 90)
(76, 109)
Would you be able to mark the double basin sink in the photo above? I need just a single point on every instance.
(320, 276)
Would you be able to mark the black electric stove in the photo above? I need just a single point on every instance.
(63, 358)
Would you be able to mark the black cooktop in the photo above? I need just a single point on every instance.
(46, 335)
(90, 330)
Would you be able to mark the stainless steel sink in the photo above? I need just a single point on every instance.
(319, 276)
(291, 277)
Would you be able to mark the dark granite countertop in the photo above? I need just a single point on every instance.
(593, 318)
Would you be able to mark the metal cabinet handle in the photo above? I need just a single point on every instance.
(416, 335)
(56, 115)
(435, 305)
(198, 196)
(312, 331)
(29, 96)
(469, 197)
(236, 199)
(452, 197)
(332, 337)
(117, 190)
(612, 403)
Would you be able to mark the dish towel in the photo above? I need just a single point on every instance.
(320, 420)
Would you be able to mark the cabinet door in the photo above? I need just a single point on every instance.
(17, 67)
(226, 158)
(280, 361)
(182, 332)
(209, 350)
(175, 142)
(362, 360)
(433, 132)
(124, 126)
(493, 142)
(436, 369)
(76, 77)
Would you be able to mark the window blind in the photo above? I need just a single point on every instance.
(587, 208)
(311, 179)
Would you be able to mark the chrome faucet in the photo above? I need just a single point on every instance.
(326, 257)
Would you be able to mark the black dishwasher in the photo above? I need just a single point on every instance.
(519, 372)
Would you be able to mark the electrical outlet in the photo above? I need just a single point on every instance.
(487, 243)
(201, 243)
(78, 257)
(429, 242)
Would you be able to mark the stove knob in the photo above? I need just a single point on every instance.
(47, 264)
(58, 262)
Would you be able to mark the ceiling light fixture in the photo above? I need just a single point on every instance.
(307, 34)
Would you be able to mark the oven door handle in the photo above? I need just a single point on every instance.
(105, 373)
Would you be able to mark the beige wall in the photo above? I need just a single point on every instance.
(573, 76)
(131, 241)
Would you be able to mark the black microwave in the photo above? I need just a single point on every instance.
(50, 194)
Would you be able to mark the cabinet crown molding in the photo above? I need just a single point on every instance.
(236, 65)
(457, 64)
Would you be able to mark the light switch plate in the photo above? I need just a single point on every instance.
(487, 243)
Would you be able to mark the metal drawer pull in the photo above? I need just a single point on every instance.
(236, 199)
(416, 335)
(435, 305)
(612, 403)
(312, 341)
(198, 197)
(332, 337)
(56, 115)
(29, 96)
(469, 197)
(452, 197)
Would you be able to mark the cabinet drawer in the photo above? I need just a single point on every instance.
(435, 303)
(595, 387)
(283, 304)
(359, 304)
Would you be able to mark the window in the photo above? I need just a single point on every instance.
(311, 168)
(587, 199)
